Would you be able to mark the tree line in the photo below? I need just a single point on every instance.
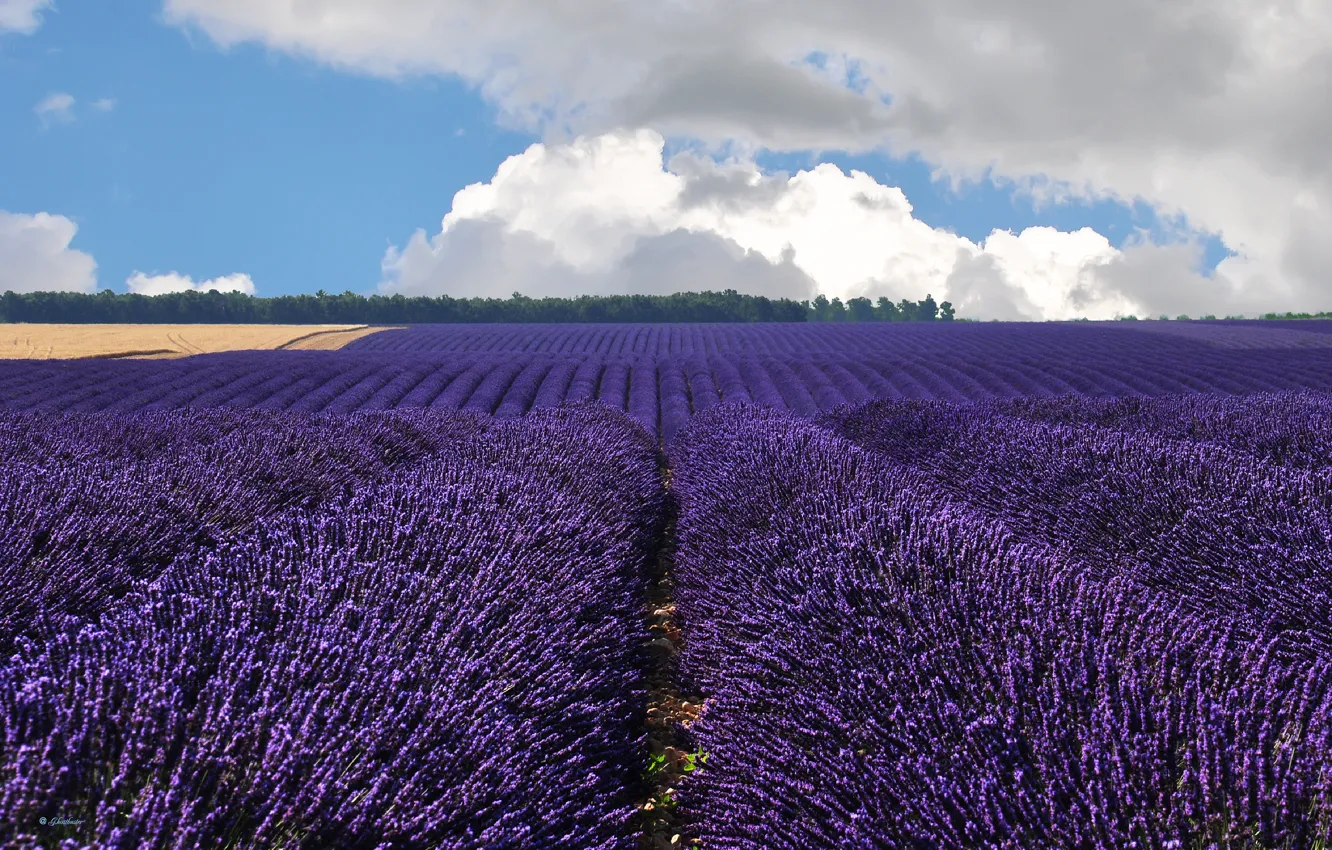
(1209, 317)
(215, 307)
(884, 310)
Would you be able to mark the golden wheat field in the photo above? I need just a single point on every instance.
(42, 341)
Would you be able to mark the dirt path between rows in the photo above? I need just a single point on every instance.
(670, 712)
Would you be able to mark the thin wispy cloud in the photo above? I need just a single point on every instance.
(54, 108)
(104, 104)
(21, 15)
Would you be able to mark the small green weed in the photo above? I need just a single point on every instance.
(690, 762)
(695, 760)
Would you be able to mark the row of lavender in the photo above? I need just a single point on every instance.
(93, 504)
(921, 626)
(1319, 326)
(1008, 339)
(426, 632)
(1287, 428)
(661, 393)
(1225, 530)
(879, 560)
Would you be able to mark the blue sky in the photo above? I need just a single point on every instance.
(214, 162)
(301, 173)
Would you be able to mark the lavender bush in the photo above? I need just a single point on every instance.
(1017, 363)
(1218, 529)
(92, 503)
(888, 667)
(1289, 428)
(800, 339)
(449, 656)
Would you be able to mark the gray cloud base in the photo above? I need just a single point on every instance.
(482, 259)
(1214, 109)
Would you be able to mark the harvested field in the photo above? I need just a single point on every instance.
(53, 341)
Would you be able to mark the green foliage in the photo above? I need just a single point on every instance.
(885, 311)
(695, 760)
(350, 308)
(1325, 315)
(862, 310)
(691, 762)
(656, 764)
(927, 310)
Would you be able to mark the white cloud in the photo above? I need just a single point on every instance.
(162, 284)
(605, 214)
(1216, 109)
(21, 15)
(55, 107)
(35, 255)
(104, 104)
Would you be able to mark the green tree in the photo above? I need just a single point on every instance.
(860, 310)
(886, 310)
(350, 308)
(820, 308)
(927, 310)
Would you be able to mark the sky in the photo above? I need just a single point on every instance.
(1024, 159)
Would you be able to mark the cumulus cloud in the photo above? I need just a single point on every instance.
(1214, 109)
(482, 258)
(606, 214)
(21, 15)
(162, 284)
(55, 107)
(35, 255)
(598, 216)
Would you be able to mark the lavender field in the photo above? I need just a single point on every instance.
(433, 642)
(909, 648)
(766, 586)
(662, 375)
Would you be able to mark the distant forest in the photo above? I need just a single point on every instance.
(1324, 315)
(349, 308)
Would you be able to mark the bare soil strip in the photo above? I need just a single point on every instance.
(152, 353)
(329, 340)
(670, 712)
